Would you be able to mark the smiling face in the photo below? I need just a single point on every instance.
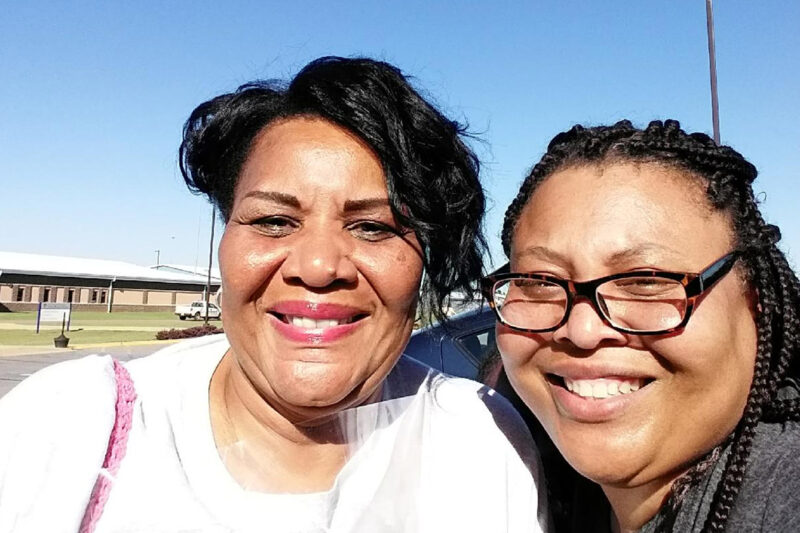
(628, 410)
(320, 282)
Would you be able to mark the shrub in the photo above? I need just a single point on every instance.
(197, 331)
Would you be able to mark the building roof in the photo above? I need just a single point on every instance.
(75, 267)
(188, 269)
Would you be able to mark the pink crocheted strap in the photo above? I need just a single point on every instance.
(118, 441)
(117, 445)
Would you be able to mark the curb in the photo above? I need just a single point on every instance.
(120, 343)
(17, 350)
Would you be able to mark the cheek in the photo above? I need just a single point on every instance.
(518, 349)
(519, 353)
(710, 365)
(394, 275)
(717, 347)
(246, 264)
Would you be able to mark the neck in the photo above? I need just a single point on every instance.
(262, 449)
(633, 507)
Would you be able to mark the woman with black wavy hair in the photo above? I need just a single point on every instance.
(650, 322)
(337, 190)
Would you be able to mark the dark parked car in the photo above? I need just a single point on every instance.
(457, 348)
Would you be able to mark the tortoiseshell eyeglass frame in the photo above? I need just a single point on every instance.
(694, 284)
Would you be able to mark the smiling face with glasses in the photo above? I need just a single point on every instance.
(624, 323)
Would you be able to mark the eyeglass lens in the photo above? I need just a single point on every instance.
(631, 303)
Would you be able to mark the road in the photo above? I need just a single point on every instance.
(14, 369)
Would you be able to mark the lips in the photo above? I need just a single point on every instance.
(597, 395)
(315, 322)
(316, 310)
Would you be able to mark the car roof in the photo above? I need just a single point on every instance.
(463, 322)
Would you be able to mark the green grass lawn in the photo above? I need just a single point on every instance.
(89, 327)
(21, 337)
(129, 319)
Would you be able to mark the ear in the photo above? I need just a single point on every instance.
(753, 301)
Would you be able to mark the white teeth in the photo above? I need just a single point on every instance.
(599, 390)
(309, 323)
(602, 388)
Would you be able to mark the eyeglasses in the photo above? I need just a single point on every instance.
(648, 302)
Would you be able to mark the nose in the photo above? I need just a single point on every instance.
(319, 259)
(585, 329)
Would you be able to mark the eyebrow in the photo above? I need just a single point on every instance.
(277, 197)
(292, 201)
(640, 252)
(546, 254)
(637, 253)
(365, 204)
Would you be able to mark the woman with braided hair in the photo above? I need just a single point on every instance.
(650, 322)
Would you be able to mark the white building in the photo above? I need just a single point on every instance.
(27, 279)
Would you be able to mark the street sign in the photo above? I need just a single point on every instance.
(53, 312)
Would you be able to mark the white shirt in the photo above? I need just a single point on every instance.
(430, 457)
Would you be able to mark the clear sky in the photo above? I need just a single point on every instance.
(93, 96)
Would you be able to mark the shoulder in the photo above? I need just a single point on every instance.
(776, 452)
(471, 411)
(479, 444)
(773, 476)
(62, 388)
(55, 432)
(162, 367)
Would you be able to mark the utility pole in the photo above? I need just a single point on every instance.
(712, 66)
(210, 259)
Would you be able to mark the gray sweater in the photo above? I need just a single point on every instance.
(769, 497)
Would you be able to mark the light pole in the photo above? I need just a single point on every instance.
(210, 259)
(712, 66)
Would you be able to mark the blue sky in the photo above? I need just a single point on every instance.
(93, 96)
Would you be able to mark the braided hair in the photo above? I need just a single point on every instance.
(728, 179)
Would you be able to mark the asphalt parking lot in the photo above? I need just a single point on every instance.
(15, 366)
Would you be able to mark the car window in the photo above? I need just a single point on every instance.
(463, 356)
(477, 342)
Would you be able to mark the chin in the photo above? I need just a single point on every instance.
(599, 458)
(615, 473)
(317, 384)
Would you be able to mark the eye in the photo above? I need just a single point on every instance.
(535, 289)
(648, 287)
(275, 226)
(372, 231)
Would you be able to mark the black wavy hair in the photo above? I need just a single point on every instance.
(431, 173)
(728, 179)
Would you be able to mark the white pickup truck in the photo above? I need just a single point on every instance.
(197, 310)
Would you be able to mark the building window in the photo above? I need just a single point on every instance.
(19, 295)
(46, 294)
(103, 297)
(93, 297)
(70, 295)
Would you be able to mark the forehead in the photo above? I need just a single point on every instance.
(623, 208)
(301, 153)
